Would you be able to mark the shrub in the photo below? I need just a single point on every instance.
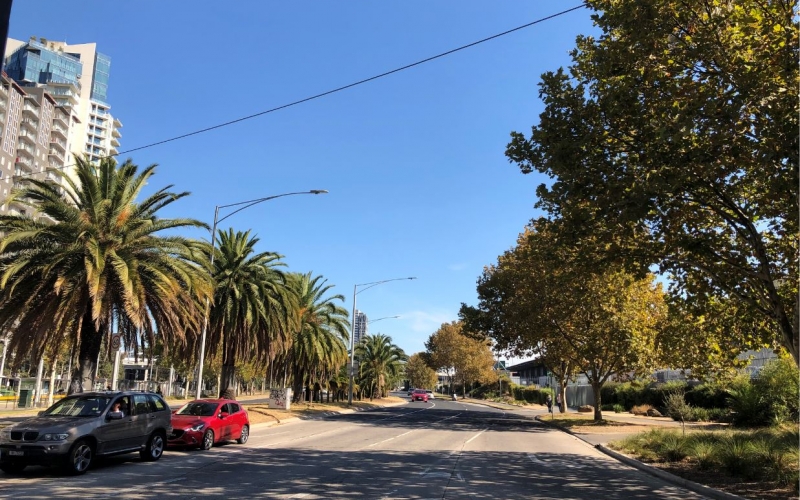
(677, 408)
(607, 407)
(707, 396)
(700, 415)
(673, 448)
(618, 408)
(704, 453)
(747, 404)
(718, 414)
(778, 382)
(735, 455)
(640, 409)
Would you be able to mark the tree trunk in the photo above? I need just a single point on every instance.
(562, 390)
(598, 414)
(297, 387)
(90, 340)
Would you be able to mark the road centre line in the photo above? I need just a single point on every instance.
(473, 437)
(385, 440)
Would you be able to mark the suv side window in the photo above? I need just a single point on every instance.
(141, 405)
(157, 404)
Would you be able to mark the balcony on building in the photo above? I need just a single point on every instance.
(115, 133)
(22, 170)
(30, 109)
(117, 123)
(23, 150)
(27, 136)
(3, 101)
(59, 144)
(114, 142)
(54, 177)
(58, 130)
(24, 162)
(57, 153)
(30, 124)
(61, 116)
(112, 151)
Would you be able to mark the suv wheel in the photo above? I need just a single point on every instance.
(245, 435)
(80, 458)
(208, 440)
(12, 467)
(154, 448)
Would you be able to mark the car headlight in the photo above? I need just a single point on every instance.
(198, 427)
(55, 437)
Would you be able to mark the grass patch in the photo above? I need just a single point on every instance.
(763, 455)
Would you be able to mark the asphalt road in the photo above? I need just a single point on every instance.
(441, 449)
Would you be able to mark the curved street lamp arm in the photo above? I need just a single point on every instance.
(376, 283)
(250, 203)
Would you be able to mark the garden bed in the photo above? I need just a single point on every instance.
(759, 463)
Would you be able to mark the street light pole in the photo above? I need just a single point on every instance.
(242, 205)
(379, 319)
(353, 330)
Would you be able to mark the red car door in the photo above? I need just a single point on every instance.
(237, 420)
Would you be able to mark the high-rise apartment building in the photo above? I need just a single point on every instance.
(34, 132)
(76, 76)
(359, 327)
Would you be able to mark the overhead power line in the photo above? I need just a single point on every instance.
(333, 91)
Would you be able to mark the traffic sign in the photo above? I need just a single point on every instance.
(116, 340)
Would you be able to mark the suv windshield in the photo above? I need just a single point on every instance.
(198, 409)
(79, 406)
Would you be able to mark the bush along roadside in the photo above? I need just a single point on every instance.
(761, 455)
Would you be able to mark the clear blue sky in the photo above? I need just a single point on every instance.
(419, 184)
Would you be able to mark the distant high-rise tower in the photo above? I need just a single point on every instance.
(359, 327)
(76, 76)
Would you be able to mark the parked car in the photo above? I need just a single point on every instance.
(204, 422)
(410, 391)
(419, 395)
(430, 394)
(79, 428)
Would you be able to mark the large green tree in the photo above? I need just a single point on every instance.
(252, 308)
(673, 137)
(379, 361)
(419, 374)
(90, 257)
(465, 358)
(319, 340)
(548, 299)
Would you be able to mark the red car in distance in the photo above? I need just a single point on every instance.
(204, 422)
(417, 395)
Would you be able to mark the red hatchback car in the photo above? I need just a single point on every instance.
(417, 395)
(204, 422)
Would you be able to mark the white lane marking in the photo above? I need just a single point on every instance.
(385, 440)
(476, 435)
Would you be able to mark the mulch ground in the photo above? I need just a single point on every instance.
(766, 490)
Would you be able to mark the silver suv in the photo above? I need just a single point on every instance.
(80, 427)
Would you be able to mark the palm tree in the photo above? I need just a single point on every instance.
(252, 307)
(379, 360)
(319, 343)
(93, 260)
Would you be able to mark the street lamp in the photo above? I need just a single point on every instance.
(353, 329)
(242, 205)
(379, 319)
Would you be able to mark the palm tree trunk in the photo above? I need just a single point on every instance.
(90, 340)
(227, 386)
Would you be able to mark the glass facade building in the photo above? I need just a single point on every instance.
(37, 64)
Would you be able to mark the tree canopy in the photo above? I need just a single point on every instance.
(673, 138)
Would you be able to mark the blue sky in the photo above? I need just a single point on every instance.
(414, 162)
